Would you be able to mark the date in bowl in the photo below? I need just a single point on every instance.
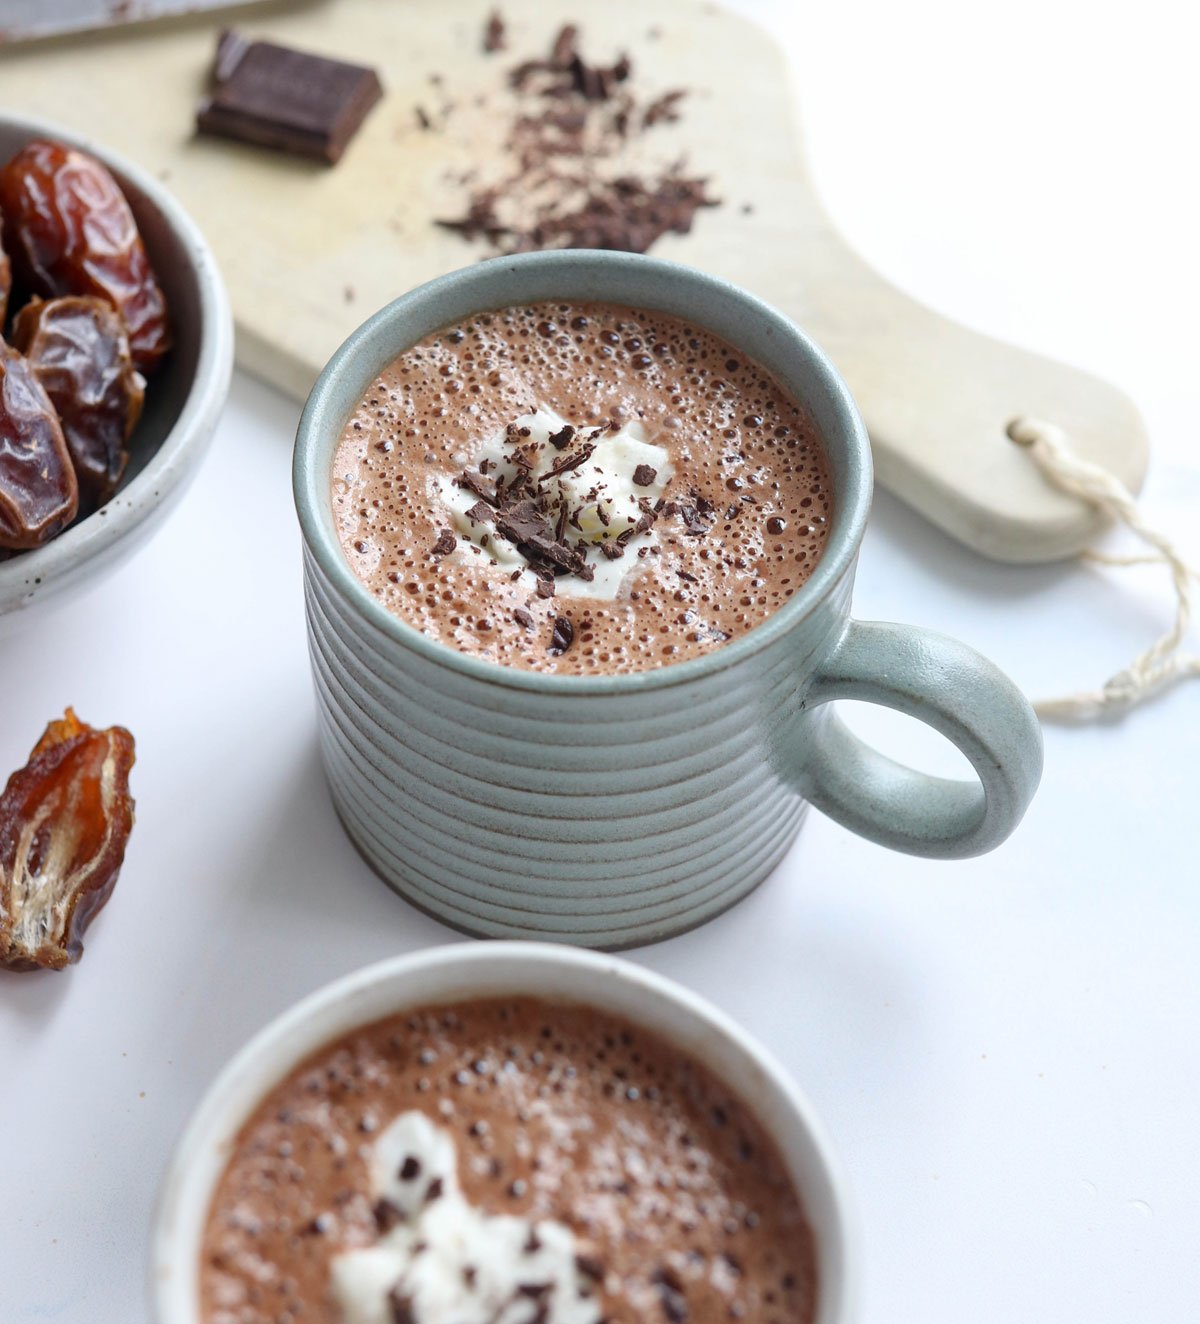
(182, 403)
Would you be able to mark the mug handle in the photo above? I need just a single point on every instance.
(957, 692)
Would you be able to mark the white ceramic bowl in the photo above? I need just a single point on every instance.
(458, 973)
(183, 398)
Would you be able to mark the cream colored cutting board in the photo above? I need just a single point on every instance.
(309, 252)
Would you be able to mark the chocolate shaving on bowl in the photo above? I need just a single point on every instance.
(576, 171)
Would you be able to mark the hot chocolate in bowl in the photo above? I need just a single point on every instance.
(355, 1161)
(640, 796)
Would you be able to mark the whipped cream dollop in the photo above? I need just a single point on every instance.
(442, 1259)
(593, 488)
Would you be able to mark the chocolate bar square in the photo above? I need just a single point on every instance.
(286, 99)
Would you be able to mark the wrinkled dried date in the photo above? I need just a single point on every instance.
(39, 494)
(64, 821)
(79, 351)
(69, 230)
(5, 275)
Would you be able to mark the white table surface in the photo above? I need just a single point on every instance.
(1005, 1050)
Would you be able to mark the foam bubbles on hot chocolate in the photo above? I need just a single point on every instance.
(554, 1146)
(730, 536)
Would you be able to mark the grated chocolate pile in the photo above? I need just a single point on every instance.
(568, 181)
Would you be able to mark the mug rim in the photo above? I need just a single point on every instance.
(323, 415)
(498, 968)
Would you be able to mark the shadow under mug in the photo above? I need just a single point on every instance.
(615, 810)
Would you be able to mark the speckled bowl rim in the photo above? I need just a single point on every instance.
(170, 463)
(361, 357)
(500, 969)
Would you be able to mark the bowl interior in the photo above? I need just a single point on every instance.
(465, 972)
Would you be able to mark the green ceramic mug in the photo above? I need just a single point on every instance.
(615, 810)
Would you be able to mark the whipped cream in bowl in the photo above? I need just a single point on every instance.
(440, 1259)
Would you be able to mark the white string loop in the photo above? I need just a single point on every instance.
(1163, 663)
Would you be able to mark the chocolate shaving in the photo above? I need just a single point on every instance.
(562, 636)
(563, 51)
(561, 439)
(401, 1307)
(663, 109)
(434, 1190)
(693, 522)
(644, 475)
(611, 550)
(386, 1215)
(570, 126)
(523, 618)
(524, 522)
(569, 462)
(494, 36)
(671, 1294)
(480, 513)
(545, 588)
(478, 486)
(446, 543)
(410, 1169)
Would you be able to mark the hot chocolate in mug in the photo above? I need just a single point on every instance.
(619, 809)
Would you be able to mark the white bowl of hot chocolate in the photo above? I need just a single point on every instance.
(507, 1133)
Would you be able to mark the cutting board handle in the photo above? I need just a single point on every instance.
(938, 398)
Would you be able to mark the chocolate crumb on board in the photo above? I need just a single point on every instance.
(664, 109)
(494, 35)
(570, 180)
